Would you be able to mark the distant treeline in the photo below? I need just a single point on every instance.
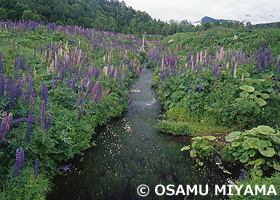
(109, 15)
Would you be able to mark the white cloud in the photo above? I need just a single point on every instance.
(260, 11)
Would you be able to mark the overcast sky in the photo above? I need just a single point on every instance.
(255, 11)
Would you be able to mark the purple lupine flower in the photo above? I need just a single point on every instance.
(2, 85)
(31, 119)
(1, 63)
(12, 93)
(189, 83)
(65, 167)
(3, 128)
(82, 86)
(130, 101)
(41, 116)
(24, 119)
(29, 87)
(80, 113)
(21, 159)
(105, 94)
(218, 76)
(44, 93)
(199, 89)
(276, 84)
(118, 102)
(80, 100)
(241, 176)
(9, 121)
(35, 52)
(17, 163)
(195, 87)
(48, 122)
(34, 93)
(36, 169)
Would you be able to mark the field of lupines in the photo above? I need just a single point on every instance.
(215, 82)
(57, 84)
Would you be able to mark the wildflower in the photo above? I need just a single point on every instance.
(118, 102)
(17, 163)
(241, 176)
(48, 122)
(80, 113)
(36, 168)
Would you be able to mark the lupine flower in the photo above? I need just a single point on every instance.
(80, 113)
(199, 89)
(48, 122)
(82, 86)
(35, 52)
(1, 63)
(41, 116)
(65, 167)
(80, 100)
(10, 118)
(105, 94)
(44, 93)
(31, 119)
(130, 101)
(188, 87)
(118, 102)
(241, 176)
(3, 128)
(36, 169)
(2, 85)
(195, 87)
(21, 160)
(17, 163)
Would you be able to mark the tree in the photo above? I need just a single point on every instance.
(217, 23)
(27, 15)
(206, 25)
(3, 14)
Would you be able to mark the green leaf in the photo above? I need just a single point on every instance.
(265, 130)
(197, 138)
(252, 96)
(257, 93)
(193, 153)
(233, 136)
(244, 157)
(247, 88)
(244, 94)
(276, 138)
(267, 151)
(235, 144)
(260, 101)
(235, 154)
(253, 143)
(200, 164)
(210, 137)
(265, 96)
(259, 161)
(186, 148)
(268, 77)
(252, 152)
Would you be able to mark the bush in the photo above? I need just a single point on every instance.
(257, 149)
(175, 128)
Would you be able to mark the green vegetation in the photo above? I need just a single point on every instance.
(57, 84)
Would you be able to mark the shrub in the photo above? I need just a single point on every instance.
(175, 128)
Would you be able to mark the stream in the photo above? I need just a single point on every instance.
(131, 152)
